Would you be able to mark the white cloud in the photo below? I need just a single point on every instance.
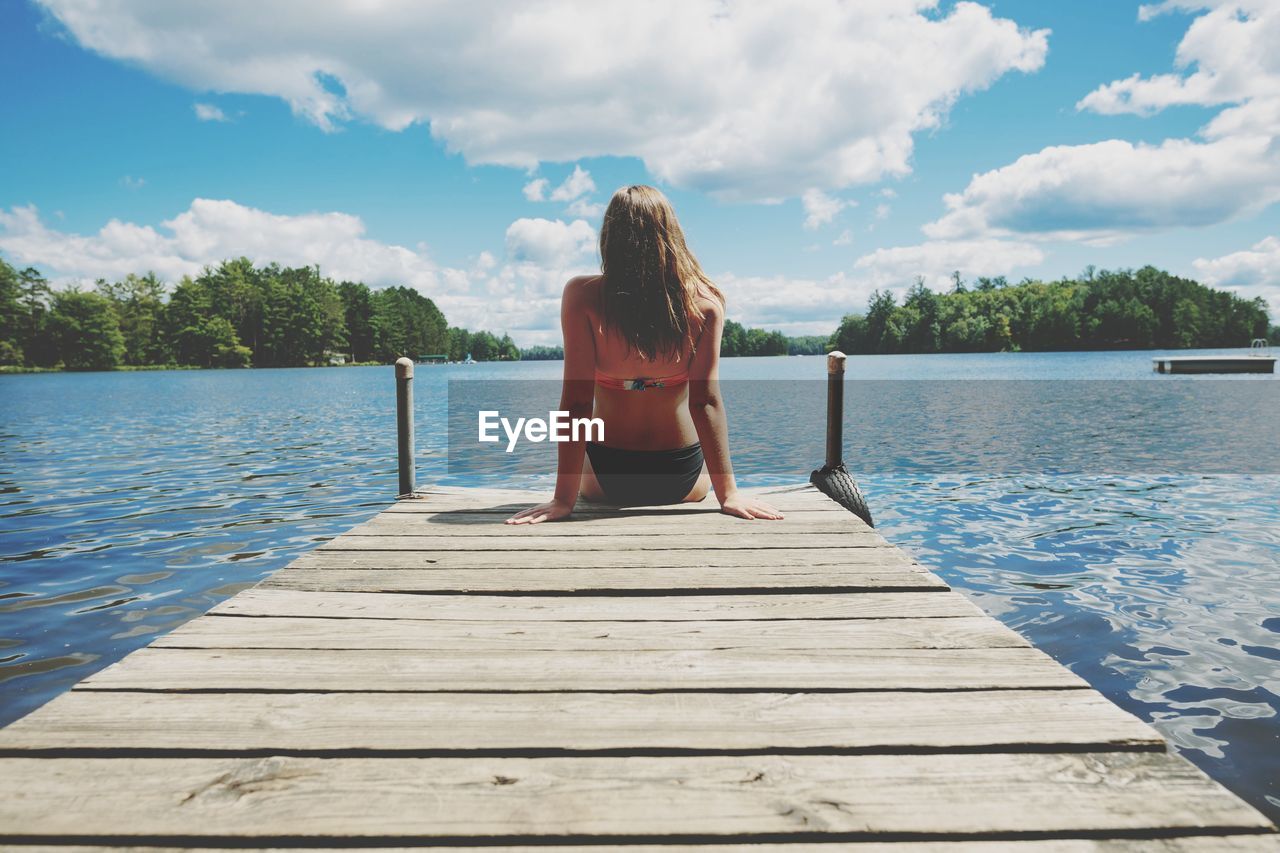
(896, 268)
(796, 306)
(519, 294)
(708, 94)
(522, 295)
(814, 306)
(578, 184)
(549, 243)
(210, 231)
(575, 189)
(882, 211)
(209, 112)
(1109, 190)
(819, 208)
(586, 209)
(1231, 48)
(129, 182)
(536, 190)
(845, 238)
(1250, 273)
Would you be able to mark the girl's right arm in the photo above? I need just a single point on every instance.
(706, 407)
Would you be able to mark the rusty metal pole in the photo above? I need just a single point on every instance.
(833, 479)
(404, 426)
(835, 408)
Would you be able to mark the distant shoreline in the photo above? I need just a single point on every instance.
(19, 370)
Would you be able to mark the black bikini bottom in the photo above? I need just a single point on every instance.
(645, 477)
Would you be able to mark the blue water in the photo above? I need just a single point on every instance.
(132, 502)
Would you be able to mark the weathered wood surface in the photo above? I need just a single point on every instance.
(699, 523)
(288, 632)
(700, 796)
(265, 601)
(667, 677)
(817, 545)
(844, 559)
(398, 670)
(306, 577)
(321, 723)
(1185, 844)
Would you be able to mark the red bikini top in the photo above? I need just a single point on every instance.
(640, 384)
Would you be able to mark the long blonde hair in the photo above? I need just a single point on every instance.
(652, 282)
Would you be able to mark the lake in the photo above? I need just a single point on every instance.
(1128, 526)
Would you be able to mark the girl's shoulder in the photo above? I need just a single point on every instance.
(710, 303)
(583, 289)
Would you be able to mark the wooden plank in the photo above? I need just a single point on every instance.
(264, 601)
(673, 540)
(1251, 843)
(801, 796)
(354, 670)
(470, 524)
(811, 509)
(230, 632)
(786, 499)
(793, 495)
(1059, 720)
(493, 580)
(850, 558)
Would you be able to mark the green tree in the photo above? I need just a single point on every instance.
(302, 318)
(733, 340)
(85, 332)
(542, 353)
(406, 323)
(807, 345)
(11, 315)
(35, 293)
(237, 291)
(357, 311)
(459, 344)
(139, 306)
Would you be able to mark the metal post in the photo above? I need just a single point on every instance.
(404, 425)
(833, 479)
(835, 408)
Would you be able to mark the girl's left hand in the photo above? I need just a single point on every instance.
(553, 510)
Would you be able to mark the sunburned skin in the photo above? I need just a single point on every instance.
(652, 419)
(654, 292)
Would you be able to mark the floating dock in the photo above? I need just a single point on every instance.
(1215, 364)
(667, 678)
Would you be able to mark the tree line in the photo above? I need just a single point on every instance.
(737, 340)
(1125, 309)
(233, 315)
(239, 315)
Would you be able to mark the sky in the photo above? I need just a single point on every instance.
(814, 150)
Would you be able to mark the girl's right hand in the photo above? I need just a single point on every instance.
(748, 508)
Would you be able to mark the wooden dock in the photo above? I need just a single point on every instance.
(1214, 364)
(668, 677)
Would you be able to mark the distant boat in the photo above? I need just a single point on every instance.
(469, 360)
(1259, 360)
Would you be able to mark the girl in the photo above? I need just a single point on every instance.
(642, 352)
